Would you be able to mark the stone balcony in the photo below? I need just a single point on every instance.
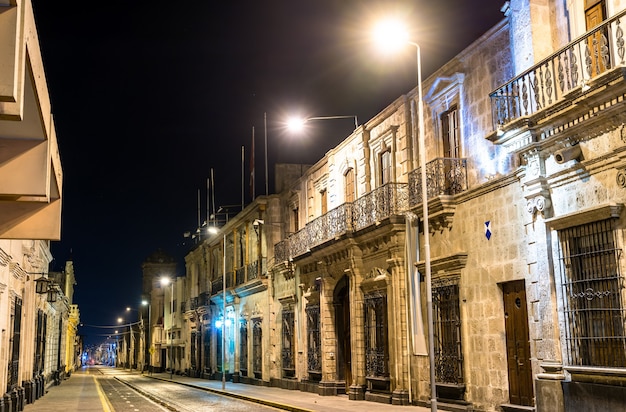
(556, 84)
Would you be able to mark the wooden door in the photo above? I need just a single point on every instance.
(517, 344)
(595, 13)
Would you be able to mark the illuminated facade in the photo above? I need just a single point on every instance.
(526, 182)
(35, 323)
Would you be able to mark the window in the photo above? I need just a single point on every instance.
(592, 293)
(450, 133)
(243, 347)
(385, 167)
(314, 355)
(14, 345)
(349, 195)
(296, 218)
(207, 350)
(257, 349)
(376, 336)
(218, 349)
(447, 333)
(288, 343)
(324, 201)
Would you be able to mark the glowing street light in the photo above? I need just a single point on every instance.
(296, 124)
(392, 36)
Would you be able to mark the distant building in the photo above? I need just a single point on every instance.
(37, 318)
(157, 266)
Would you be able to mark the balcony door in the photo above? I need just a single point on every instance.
(517, 343)
(597, 44)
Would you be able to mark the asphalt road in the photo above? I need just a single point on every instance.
(132, 391)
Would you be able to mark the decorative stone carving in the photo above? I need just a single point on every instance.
(621, 178)
(538, 203)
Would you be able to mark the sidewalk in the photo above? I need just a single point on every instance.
(79, 393)
(292, 400)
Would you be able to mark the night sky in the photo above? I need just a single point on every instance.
(149, 96)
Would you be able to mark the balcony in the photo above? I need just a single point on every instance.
(444, 176)
(555, 82)
(379, 204)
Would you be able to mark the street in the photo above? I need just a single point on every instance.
(100, 388)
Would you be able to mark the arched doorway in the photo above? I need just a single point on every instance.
(341, 302)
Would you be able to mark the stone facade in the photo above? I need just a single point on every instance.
(524, 136)
(38, 344)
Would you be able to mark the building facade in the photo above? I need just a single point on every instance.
(38, 321)
(525, 188)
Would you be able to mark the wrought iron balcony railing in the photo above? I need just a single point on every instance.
(549, 81)
(444, 176)
(377, 205)
(217, 285)
(381, 203)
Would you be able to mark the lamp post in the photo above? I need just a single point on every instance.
(148, 335)
(167, 281)
(224, 311)
(392, 33)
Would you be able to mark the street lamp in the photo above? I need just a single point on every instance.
(148, 335)
(393, 34)
(297, 123)
(167, 281)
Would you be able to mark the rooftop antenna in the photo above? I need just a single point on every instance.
(213, 195)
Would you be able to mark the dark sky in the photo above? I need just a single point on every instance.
(149, 96)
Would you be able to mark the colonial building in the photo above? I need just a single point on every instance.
(525, 190)
(156, 267)
(35, 315)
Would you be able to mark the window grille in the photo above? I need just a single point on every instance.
(257, 349)
(447, 333)
(194, 343)
(14, 346)
(40, 343)
(243, 347)
(592, 293)
(218, 348)
(288, 343)
(207, 349)
(376, 351)
(314, 355)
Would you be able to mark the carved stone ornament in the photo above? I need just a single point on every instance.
(538, 204)
(621, 178)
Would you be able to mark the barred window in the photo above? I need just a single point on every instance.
(207, 349)
(376, 350)
(592, 292)
(257, 349)
(243, 347)
(447, 332)
(288, 343)
(314, 354)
